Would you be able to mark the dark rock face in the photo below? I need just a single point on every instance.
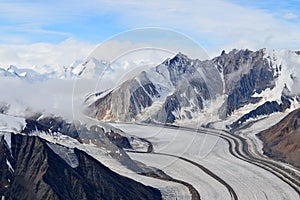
(50, 125)
(4, 107)
(140, 98)
(245, 72)
(39, 173)
(6, 174)
(171, 104)
(119, 140)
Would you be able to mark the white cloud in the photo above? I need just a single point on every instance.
(40, 54)
(53, 96)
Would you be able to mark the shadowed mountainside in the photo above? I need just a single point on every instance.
(35, 171)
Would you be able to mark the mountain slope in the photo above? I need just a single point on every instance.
(282, 141)
(34, 164)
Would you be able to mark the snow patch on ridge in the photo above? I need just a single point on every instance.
(286, 67)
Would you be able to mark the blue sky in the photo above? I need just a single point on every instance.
(214, 24)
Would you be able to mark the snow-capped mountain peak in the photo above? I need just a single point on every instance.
(28, 74)
(92, 68)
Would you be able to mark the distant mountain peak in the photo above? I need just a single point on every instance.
(178, 59)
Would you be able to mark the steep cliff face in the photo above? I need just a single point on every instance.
(35, 171)
(245, 73)
(6, 171)
(282, 141)
(125, 102)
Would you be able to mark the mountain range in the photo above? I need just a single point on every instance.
(90, 68)
(241, 83)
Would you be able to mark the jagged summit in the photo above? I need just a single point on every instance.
(179, 61)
